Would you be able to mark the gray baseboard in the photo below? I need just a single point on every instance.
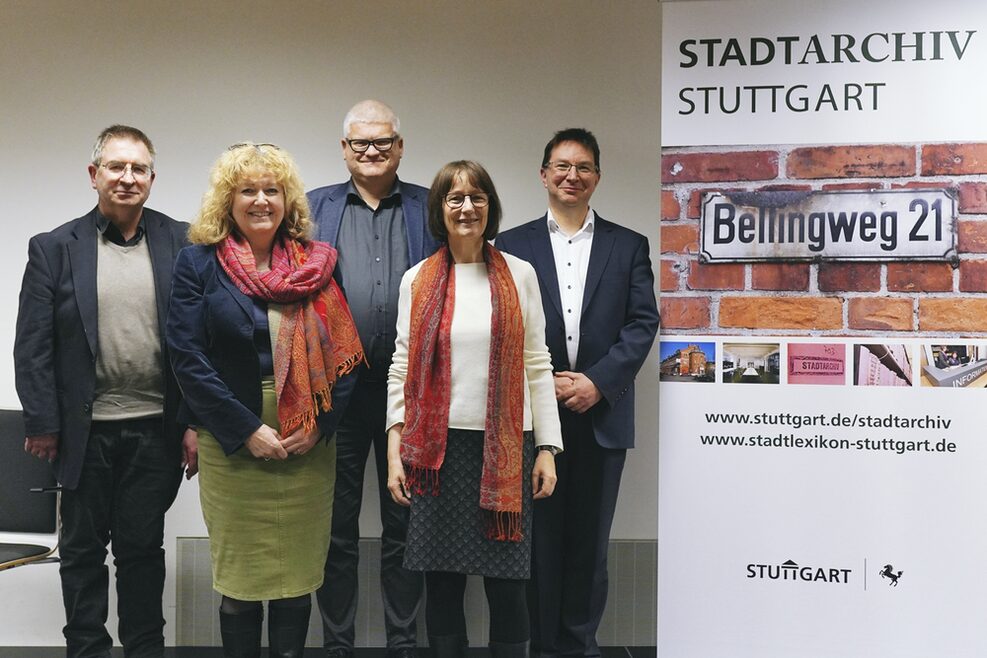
(630, 619)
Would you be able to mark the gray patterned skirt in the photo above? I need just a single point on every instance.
(446, 532)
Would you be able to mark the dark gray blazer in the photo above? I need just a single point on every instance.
(56, 340)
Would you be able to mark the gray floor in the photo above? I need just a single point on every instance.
(213, 652)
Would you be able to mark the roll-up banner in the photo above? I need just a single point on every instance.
(823, 357)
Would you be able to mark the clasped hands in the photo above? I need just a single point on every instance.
(266, 443)
(576, 391)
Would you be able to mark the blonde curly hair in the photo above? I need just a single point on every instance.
(214, 221)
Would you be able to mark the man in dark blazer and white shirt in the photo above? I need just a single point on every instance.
(378, 225)
(99, 398)
(601, 316)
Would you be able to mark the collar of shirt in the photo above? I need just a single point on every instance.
(586, 230)
(393, 197)
(571, 255)
(109, 231)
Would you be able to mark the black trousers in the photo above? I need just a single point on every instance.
(361, 428)
(445, 614)
(129, 480)
(567, 592)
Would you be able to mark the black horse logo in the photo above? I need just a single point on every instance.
(888, 572)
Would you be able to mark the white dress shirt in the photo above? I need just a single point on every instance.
(571, 263)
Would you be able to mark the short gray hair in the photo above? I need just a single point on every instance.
(118, 130)
(371, 111)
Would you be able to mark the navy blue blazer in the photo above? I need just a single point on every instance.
(327, 204)
(211, 341)
(56, 340)
(619, 317)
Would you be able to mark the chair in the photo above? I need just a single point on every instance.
(22, 510)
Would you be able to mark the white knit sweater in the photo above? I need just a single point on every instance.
(470, 353)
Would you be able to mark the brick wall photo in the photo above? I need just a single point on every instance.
(827, 298)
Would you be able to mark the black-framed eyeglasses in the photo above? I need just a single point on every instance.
(119, 169)
(382, 144)
(455, 201)
(241, 145)
(562, 168)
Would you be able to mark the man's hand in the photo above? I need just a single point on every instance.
(563, 387)
(190, 453)
(42, 446)
(578, 394)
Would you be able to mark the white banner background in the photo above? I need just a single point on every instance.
(944, 99)
(724, 507)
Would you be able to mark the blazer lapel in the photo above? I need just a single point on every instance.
(160, 246)
(82, 258)
(414, 224)
(241, 299)
(599, 255)
(337, 202)
(544, 261)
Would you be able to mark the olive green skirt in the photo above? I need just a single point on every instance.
(268, 521)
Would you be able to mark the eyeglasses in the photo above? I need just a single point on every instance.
(457, 200)
(240, 145)
(562, 168)
(382, 144)
(119, 169)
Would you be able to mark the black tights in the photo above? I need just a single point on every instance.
(237, 607)
(444, 612)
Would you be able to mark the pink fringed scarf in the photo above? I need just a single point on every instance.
(426, 389)
(317, 341)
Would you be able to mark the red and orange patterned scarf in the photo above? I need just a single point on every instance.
(317, 341)
(426, 389)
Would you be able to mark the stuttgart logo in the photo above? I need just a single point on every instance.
(792, 571)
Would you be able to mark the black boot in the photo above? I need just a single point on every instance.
(287, 628)
(448, 646)
(508, 649)
(241, 633)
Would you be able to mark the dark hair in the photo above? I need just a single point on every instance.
(120, 131)
(444, 180)
(578, 135)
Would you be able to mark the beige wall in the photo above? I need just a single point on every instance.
(484, 80)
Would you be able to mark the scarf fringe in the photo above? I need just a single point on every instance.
(503, 526)
(421, 480)
(322, 401)
(351, 363)
(304, 420)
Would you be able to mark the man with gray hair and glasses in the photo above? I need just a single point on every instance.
(99, 398)
(378, 225)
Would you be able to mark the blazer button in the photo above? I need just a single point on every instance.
(86, 408)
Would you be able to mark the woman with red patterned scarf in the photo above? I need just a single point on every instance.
(472, 416)
(262, 343)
